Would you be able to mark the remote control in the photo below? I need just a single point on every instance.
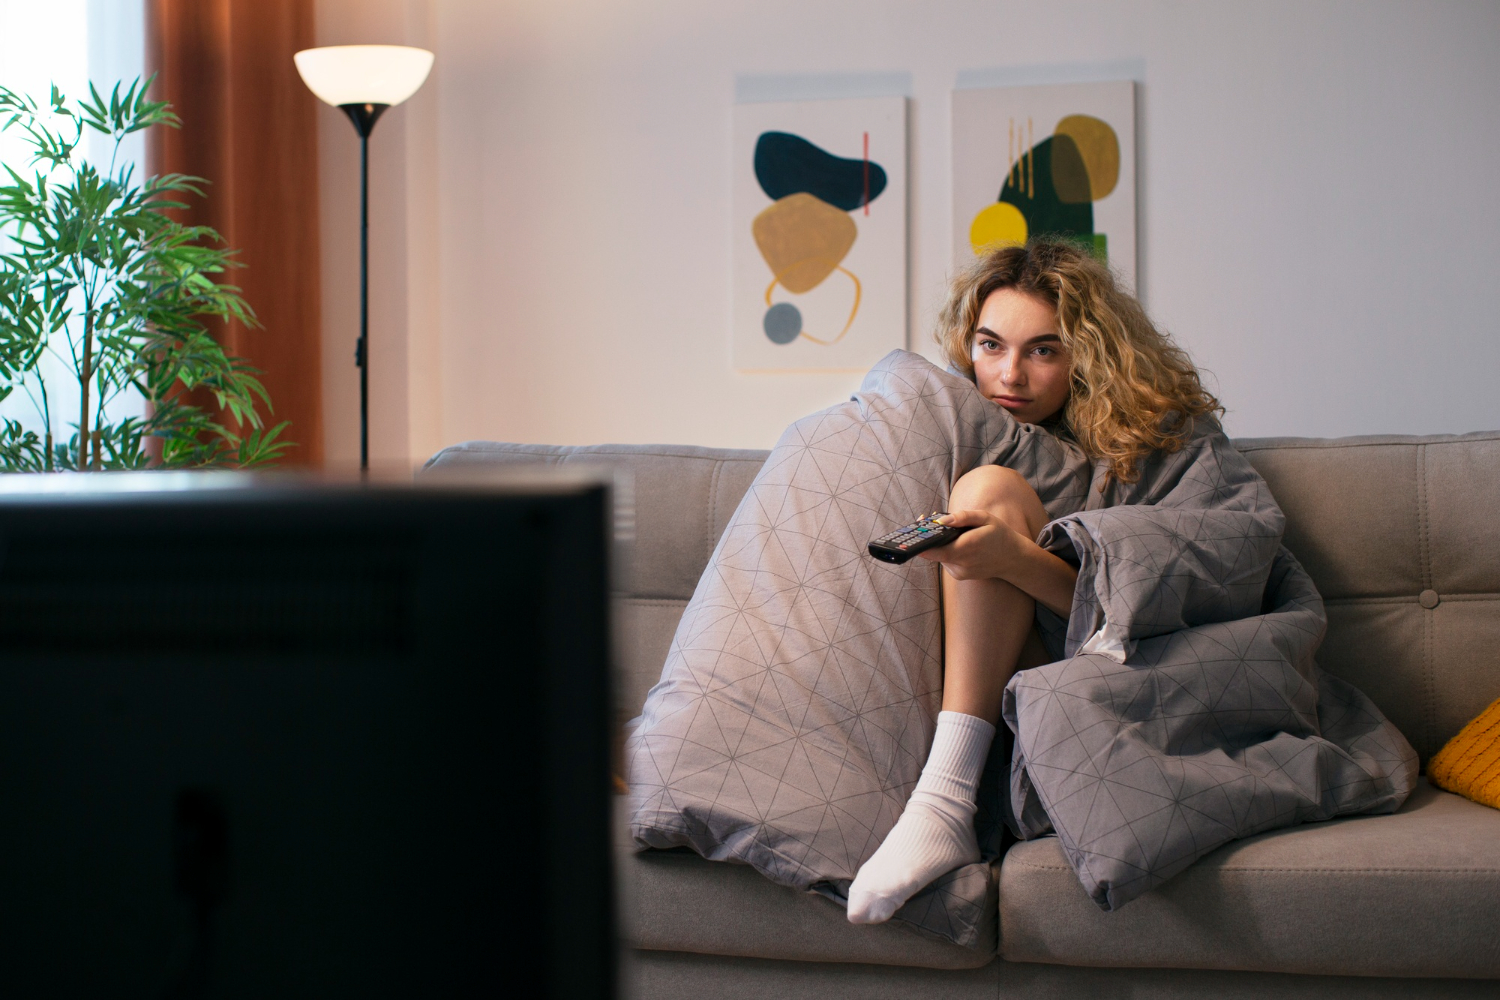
(922, 534)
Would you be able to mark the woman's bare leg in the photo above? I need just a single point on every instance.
(987, 626)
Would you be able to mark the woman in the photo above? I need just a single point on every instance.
(1047, 334)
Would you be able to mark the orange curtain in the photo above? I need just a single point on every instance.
(249, 126)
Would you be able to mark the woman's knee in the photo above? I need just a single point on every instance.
(1001, 491)
(992, 484)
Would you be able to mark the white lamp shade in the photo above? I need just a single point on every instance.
(363, 74)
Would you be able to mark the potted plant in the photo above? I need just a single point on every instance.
(97, 274)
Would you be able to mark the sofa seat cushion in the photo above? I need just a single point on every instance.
(677, 901)
(1414, 893)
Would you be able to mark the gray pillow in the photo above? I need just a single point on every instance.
(797, 704)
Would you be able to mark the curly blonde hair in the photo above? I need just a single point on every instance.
(1133, 391)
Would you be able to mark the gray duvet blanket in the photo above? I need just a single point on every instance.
(798, 700)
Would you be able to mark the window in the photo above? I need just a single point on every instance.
(67, 43)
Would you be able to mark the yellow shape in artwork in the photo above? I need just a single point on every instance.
(803, 238)
(1100, 149)
(998, 224)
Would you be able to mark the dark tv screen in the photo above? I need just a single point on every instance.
(290, 738)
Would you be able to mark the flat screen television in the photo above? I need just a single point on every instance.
(274, 737)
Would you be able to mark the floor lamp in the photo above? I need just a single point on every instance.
(363, 81)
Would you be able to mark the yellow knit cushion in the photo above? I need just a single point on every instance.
(1470, 763)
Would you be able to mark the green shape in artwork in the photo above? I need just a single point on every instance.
(1096, 244)
(1031, 188)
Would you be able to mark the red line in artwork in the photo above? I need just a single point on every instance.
(867, 173)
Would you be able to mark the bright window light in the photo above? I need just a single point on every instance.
(68, 43)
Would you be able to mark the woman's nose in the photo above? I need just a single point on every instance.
(1012, 373)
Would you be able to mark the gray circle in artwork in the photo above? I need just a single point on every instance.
(782, 323)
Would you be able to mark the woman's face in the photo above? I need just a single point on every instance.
(1019, 361)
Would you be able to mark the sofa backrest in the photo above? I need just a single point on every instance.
(672, 504)
(1401, 535)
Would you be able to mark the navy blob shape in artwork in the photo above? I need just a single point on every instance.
(789, 164)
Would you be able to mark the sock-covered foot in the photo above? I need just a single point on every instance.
(935, 833)
(930, 839)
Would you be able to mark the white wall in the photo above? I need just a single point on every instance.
(1319, 203)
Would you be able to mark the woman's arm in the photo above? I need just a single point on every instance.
(994, 550)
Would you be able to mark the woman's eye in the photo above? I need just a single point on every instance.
(1044, 352)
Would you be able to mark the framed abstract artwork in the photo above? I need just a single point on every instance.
(1054, 159)
(819, 234)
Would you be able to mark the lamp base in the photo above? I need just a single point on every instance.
(364, 116)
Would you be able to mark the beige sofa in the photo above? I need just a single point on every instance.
(1402, 535)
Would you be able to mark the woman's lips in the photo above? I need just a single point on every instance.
(1011, 402)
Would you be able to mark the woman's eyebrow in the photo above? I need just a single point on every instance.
(1044, 338)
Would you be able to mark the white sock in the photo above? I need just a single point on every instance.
(935, 833)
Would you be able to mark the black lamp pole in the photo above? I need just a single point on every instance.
(364, 117)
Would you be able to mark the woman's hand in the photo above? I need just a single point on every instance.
(992, 550)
